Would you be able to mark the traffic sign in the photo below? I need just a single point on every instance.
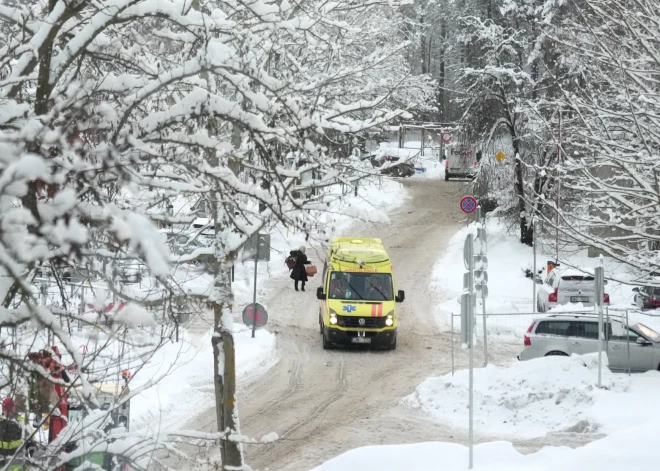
(468, 204)
(446, 137)
(500, 157)
(255, 314)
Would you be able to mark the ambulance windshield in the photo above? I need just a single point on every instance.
(364, 286)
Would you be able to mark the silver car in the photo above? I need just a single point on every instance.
(566, 334)
(567, 286)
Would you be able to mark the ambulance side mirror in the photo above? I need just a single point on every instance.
(400, 296)
(320, 295)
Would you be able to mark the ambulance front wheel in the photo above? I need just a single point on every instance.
(327, 344)
(392, 346)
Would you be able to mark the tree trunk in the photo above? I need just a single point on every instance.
(423, 47)
(224, 360)
(441, 75)
(526, 229)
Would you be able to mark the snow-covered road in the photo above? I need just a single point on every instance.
(322, 403)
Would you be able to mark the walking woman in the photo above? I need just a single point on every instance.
(299, 273)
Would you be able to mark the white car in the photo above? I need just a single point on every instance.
(567, 286)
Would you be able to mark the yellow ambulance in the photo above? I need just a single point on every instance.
(357, 300)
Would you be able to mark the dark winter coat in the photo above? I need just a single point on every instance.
(299, 273)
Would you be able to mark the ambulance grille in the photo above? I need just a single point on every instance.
(354, 322)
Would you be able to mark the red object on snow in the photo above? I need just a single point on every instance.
(51, 360)
(8, 406)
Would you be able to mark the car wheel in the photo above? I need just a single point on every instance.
(327, 344)
(556, 353)
(392, 346)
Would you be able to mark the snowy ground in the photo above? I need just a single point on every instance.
(530, 399)
(628, 449)
(185, 373)
(548, 395)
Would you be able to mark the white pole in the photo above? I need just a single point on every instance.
(627, 341)
(471, 398)
(471, 309)
(452, 344)
(534, 268)
(599, 308)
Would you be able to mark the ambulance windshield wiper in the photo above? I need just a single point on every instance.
(376, 288)
(354, 290)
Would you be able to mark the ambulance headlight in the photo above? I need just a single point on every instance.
(333, 317)
(389, 322)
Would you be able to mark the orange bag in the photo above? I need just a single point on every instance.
(311, 270)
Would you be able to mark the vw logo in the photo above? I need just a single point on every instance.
(349, 308)
(362, 322)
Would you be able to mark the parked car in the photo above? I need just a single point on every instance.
(395, 167)
(567, 286)
(647, 297)
(564, 335)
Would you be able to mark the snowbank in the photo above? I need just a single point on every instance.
(432, 168)
(184, 374)
(533, 398)
(625, 450)
(529, 400)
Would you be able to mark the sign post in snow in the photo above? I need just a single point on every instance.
(257, 248)
(467, 329)
(599, 280)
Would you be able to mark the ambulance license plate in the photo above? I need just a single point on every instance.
(361, 340)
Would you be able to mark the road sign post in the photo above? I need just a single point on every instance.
(481, 275)
(599, 280)
(467, 329)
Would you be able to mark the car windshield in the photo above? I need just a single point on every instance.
(577, 283)
(366, 286)
(648, 332)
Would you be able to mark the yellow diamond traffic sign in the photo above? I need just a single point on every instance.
(500, 157)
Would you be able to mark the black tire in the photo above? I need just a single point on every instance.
(392, 346)
(556, 353)
(320, 321)
(327, 344)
